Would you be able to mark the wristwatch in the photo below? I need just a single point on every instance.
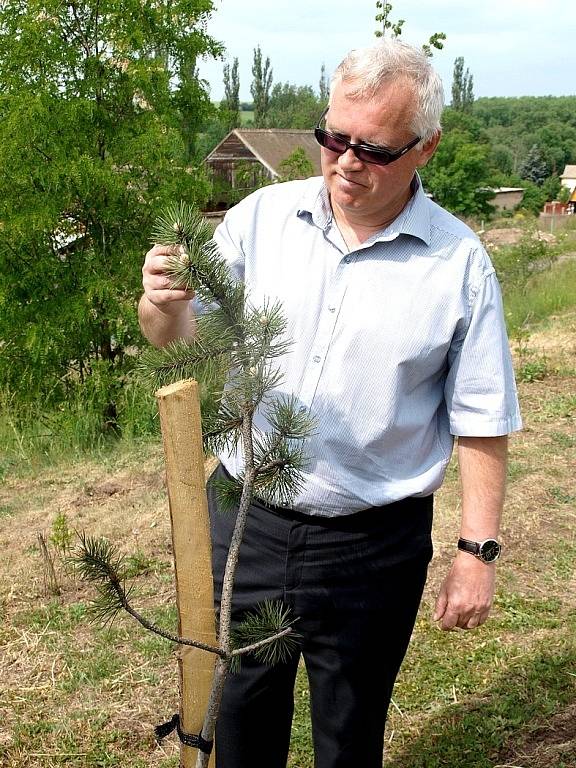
(488, 550)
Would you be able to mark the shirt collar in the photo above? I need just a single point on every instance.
(413, 220)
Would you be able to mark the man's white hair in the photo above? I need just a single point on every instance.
(389, 60)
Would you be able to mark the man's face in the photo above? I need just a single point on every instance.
(366, 193)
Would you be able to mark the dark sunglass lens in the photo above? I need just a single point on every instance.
(377, 156)
(330, 142)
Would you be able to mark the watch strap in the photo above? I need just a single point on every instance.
(469, 546)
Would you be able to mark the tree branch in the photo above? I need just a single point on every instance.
(261, 643)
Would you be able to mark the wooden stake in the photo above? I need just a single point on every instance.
(179, 408)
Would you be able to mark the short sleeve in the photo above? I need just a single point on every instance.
(480, 390)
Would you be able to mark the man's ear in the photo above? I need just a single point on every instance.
(428, 148)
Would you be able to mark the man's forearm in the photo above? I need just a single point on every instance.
(483, 464)
(161, 325)
(466, 593)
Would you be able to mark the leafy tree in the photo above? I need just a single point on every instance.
(557, 144)
(231, 102)
(293, 106)
(534, 167)
(502, 160)
(323, 85)
(296, 166)
(551, 187)
(260, 88)
(91, 144)
(457, 174)
(462, 87)
(533, 199)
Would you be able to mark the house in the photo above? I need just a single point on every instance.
(507, 198)
(249, 157)
(568, 178)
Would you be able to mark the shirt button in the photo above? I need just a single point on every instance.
(302, 409)
(316, 358)
(347, 259)
(332, 309)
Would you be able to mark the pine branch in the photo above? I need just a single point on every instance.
(266, 633)
(178, 360)
(98, 561)
(197, 263)
(287, 418)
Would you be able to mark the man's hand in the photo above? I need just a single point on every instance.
(466, 593)
(155, 282)
(164, 312)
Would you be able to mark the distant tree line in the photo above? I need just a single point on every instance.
(487, 143)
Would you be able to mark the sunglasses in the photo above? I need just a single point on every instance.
(364, 152)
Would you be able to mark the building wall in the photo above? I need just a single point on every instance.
(506, 201)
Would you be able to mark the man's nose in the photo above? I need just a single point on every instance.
(349, 161)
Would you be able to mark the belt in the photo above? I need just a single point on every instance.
(360, 518)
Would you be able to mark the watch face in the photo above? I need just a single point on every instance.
(490, 551)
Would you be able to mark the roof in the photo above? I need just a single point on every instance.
(501, 190)
(270, 146)
(569, 172)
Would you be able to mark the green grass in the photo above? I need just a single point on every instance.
(473, 733)
(471, 688)
(33, 436)
(547, 293)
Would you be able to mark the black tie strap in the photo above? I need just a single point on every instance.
(190, 739)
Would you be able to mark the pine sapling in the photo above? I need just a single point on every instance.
(240, 343)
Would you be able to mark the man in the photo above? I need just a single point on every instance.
(399, 345)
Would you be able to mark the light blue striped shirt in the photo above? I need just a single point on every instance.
(398, 345)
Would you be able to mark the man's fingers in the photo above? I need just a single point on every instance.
(169, 295)
(441, 604)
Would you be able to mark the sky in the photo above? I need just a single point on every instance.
(511, 47)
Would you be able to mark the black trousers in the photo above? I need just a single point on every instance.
(354, 583)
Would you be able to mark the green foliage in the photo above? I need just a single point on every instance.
(231, 103)
(386, 24)
(296, 166)
(534, 198)
(234, 336)
(520, 123)
(91, 143)
(294, 106)
(61, 536)
(516, 263)
(98, 561)
(458, 175)
(269, 618)
(383, 18)
(534, 167)
(545, 293)
(533, 370)
(462, 87)
(260, 88)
